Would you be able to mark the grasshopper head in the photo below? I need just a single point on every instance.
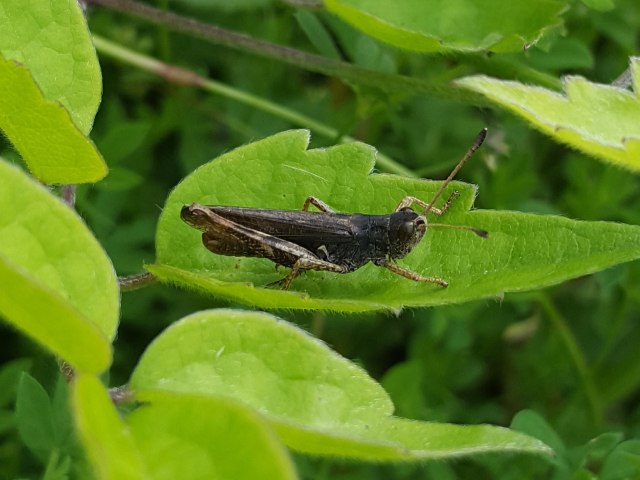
(196, 216)
(406, 229)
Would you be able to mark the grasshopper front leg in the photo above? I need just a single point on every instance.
(416, 277)
(408, 201)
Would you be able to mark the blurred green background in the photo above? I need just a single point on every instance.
(478, 362)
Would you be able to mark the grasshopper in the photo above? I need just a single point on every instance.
(325, 240)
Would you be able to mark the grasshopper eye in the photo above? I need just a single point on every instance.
(405, 232)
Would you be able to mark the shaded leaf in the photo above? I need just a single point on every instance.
(465, 25)
(600, 120)
(42, 131)
(56, 282)
(319, 402)
(51, 39)
(524, 252)
(34, 417)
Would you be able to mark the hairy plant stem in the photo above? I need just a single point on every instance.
(135, 282)
(185, 77)
(347, 72)
(570, 343)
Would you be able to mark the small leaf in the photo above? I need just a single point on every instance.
(34, 417)
(221, 439)
(51, 39)
(623, 463)
(601, 5)
(465, 25)
(600, 120)
(42, 131)
(317, 34)
(319, 402)
(56, 282)
(9, 376)
(108, 442)
(525, 251)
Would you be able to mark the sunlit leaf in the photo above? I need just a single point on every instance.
(56, 282)
(51, 39)
(600, 120)
(219, 438)
(524, 252)
(319, 402)
(42, 131)
(177, 436)
(465, 25)
(108, 442)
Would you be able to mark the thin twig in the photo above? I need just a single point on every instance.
(625, 80)
(387, 82)
(69, 195)
(591, 392)
(135, 282)
(121, 395)
(185, 77)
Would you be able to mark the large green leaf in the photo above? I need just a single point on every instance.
(42, 131)
(177, 436)
(56, 282)
(50, 38)
(221, 439)
(524, 252)
(445, 25)
(600, 120)
(319, 402)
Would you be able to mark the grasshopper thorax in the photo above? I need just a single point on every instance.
(406, 229)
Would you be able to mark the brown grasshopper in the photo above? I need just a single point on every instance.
(324, 240)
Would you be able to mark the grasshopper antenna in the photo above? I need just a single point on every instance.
(477, 231)
(476, 145)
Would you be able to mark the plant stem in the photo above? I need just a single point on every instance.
(347, 72)
(69, 195)
(185, 77)
(593, 398)
(121, 394)
(135, 282)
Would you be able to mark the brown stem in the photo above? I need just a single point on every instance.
(121, 394)
(135, 282)
(69, 195)
(315, 63)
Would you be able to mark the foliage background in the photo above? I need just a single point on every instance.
(478, 362)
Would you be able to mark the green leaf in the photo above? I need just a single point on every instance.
(464, 25)
(108, 442)
(56, 282)
(319, 402)
(623, 462)
(9, 376)
(42, 131)
(597, 119)
(34, 417)
(220, 438)
(525, 251)
(317, 34)
(50, 38)
(601, 5)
